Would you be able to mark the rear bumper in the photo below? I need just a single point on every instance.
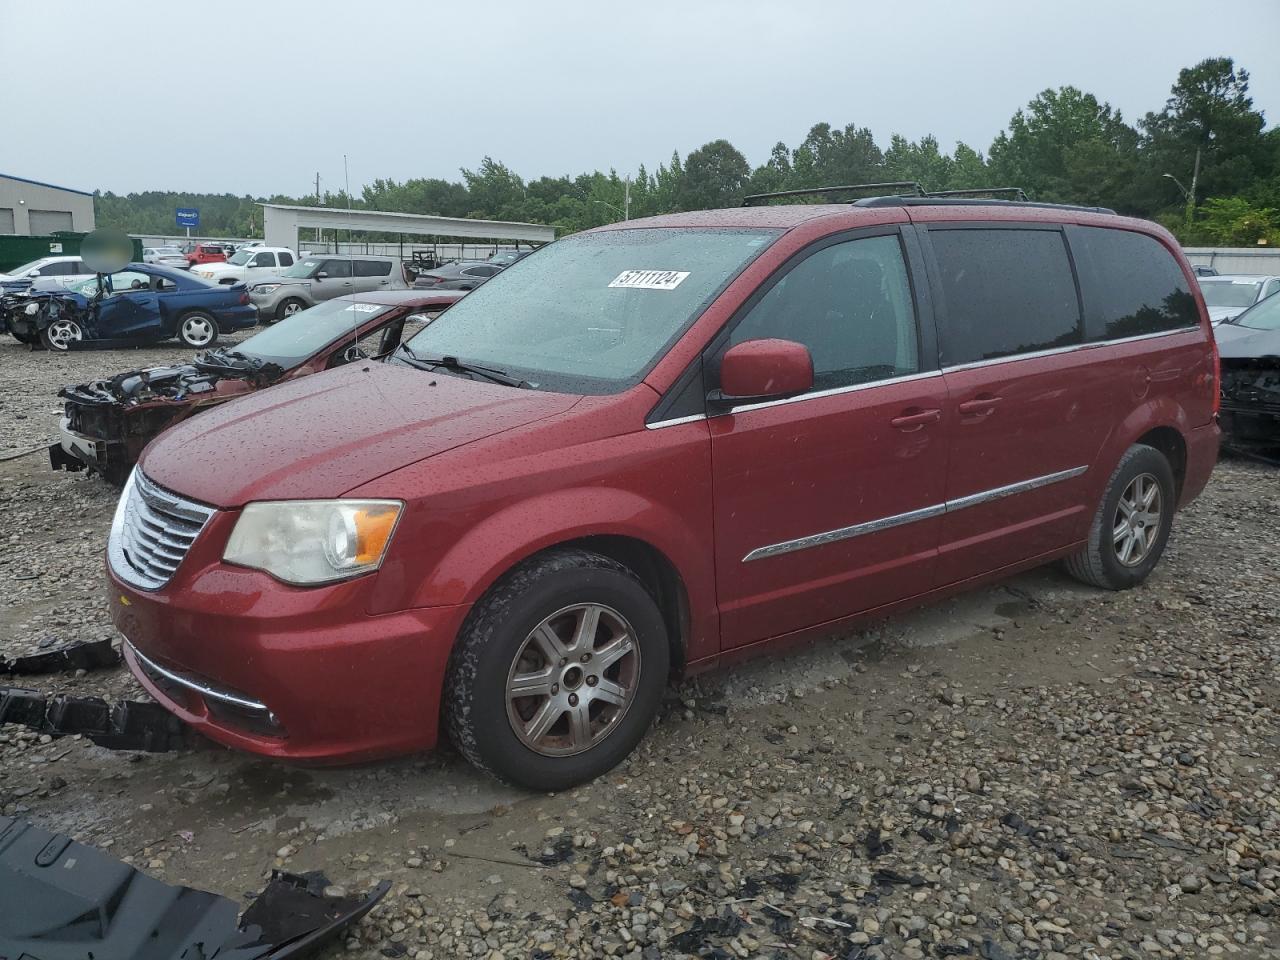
(281, 671)
(237, 318)
(1203, 444)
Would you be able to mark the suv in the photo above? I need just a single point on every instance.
(319, 277)
(656, 446)
(206, 253)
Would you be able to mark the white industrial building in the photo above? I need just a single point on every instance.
(31, 208)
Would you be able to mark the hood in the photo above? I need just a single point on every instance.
(323, 435)
(1235, 342)
(1219, 314)
(217, 266)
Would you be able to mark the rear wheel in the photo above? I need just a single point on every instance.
(1132, 524)
(198, 329)
(558, 671)
(61, 334)
(288, 307)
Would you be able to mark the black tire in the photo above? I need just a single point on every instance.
(194, 320)
(499, 628)
(28, 338)
(289, 306)
(1099, 564)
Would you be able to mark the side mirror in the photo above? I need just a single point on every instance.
(757, 370)
(33, 273)
(322, 275)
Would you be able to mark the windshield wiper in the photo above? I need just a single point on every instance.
(457, 366)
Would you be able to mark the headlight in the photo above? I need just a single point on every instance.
(313, 541)
(264, 288)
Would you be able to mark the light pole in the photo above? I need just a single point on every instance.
(611, 207)
(1188, 195)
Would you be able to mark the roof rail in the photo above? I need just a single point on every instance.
(982, 193)
(931, 200)
(756, 199)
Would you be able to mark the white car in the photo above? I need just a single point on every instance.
(247, 264)
(166, 257)
(1228, 296)
(61, 270)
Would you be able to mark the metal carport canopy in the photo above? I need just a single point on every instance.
(281, 222)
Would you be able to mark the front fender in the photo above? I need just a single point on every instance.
(489, 548)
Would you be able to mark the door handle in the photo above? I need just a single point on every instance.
(914, 419)
(979, 407)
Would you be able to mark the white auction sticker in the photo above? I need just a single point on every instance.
(363, 308)
(649, 279)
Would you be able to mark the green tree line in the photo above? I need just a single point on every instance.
(1204, 165)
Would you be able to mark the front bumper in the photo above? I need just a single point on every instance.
(317, 677)
(75, 451)
(1251, 426)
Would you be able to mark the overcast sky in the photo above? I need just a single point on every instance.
(228, 96)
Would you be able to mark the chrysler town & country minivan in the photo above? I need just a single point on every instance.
(658, 446)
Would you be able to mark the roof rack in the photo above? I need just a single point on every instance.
(930, 200)
(987, 193)
(756, 199)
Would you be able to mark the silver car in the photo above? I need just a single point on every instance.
(1229, 295)
(166, 257)
(319, 277)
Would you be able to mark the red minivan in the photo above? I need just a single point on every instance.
(655, 447)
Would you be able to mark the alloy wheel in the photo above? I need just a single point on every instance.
(197, 331)
(292, 307)
(1137, 521)
(573, 679)
(63, 333)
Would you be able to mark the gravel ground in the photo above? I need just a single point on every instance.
(1035, 770)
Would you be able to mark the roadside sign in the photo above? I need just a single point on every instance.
(188, 217)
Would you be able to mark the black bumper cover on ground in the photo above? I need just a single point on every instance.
(64, 900)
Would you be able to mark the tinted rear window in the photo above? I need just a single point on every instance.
(1006, 292)
(1131, 283)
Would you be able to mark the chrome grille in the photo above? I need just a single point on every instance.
(152, 531)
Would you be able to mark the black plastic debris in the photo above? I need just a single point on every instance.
(84, 655)
(876, 845)
(125, 725)
(695, 940)
(64, 900)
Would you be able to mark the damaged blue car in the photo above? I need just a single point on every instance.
(142, 303)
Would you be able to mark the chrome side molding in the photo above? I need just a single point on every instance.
(924, 513)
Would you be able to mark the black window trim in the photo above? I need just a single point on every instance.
(935, 284)
(706, 366)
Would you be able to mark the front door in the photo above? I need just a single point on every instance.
(829, 503)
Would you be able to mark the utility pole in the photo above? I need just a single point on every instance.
(626, 198)
(317, 185)
(1191, 194)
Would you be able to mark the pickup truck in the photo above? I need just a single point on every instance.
(248, 264)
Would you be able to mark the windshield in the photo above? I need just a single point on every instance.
(26, 268)
(593, 312)
(1265, 316)
(303, 268)
(1230, 293)
(240, 257)
(297, 337)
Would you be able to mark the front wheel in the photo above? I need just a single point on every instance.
(1132, 524)
(61, 334)
(198, 329)
(557, 672)
(288, 307)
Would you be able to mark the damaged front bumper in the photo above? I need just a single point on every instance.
(1250, 414)
(65, 900)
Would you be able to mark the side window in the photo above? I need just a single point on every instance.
(264, 260)
(1132, 285)
(1006, 292)
(1271, 288)
(337, 268)
(63, 268)
(850, 304)
(373, 268)
(286, 259)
